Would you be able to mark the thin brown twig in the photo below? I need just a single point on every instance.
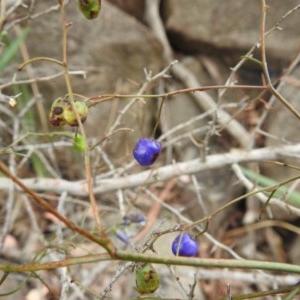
(204, 100)
(34, 86)
(42, 203)
(87, 162)
(36, 79)
(40, 58)
(260, 225)
(107, 97)
(155, 210)
(273, 90)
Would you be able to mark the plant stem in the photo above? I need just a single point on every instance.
(259, 295)
(158, 117)
(42, 203)
(87, 163)
(102, 98)
(265, 65)
(32, 60)
(165, 260)
(2, 14)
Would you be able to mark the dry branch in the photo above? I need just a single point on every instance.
(204, 100)
(79, 188)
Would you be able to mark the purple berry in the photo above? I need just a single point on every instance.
(184, 245)
(134, 218)
(146, 151)
(122, 236)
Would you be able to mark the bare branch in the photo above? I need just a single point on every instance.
(79, 188)
(189, 79)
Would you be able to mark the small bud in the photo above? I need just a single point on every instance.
(90, 8)
(146, 279)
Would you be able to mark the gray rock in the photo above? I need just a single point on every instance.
(231, 27)
(132, 7)
(114, 49)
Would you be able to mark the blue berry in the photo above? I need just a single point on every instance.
(146, 151)
(185, 245)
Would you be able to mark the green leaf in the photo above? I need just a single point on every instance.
(293, 198)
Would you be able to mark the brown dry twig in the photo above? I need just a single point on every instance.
(204, 100)
(155, 209)
(106, 244)
(163, 173)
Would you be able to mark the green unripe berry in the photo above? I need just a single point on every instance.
(78, 143)
(90, 8)
(146, 279)
(70, 116)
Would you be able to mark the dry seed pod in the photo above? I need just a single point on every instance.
(62, 113)
(90, 8)
(146, 279)
(56, 117)
(70, 116)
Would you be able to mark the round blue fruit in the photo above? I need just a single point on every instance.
(146, 151)
(185, 245)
